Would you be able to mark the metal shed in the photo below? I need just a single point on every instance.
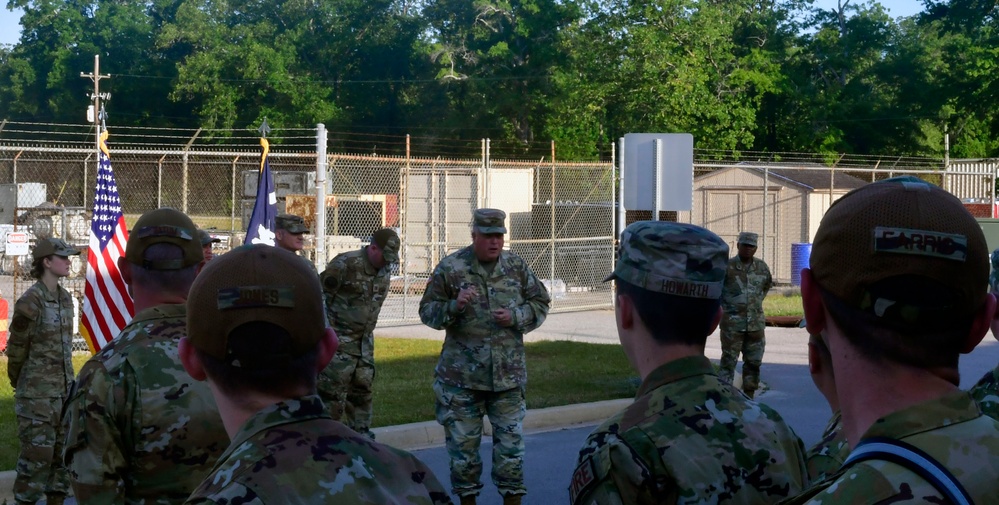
(731, 200)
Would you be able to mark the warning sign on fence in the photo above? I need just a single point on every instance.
(17, 243)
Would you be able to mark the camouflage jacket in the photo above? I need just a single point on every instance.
(986, 393)
(478, 353)
(825, 457)
(951, 430)
(742, 297)
(354, 291)
(139, 429)
(292, 452)
(40, 349)
(689, 438)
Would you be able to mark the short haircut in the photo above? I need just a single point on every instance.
(176, 282)
(920, 344)
(274, 373)
(672, 319)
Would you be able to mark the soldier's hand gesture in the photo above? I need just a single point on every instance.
(466, 295)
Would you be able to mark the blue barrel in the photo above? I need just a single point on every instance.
(799, 259)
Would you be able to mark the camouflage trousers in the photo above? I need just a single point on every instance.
(751, 345)
(345, 387)
(460, 412)
(39, 465)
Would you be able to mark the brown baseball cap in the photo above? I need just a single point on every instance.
(164, 225)
(49, 246)
(902, 227)
(255, 283)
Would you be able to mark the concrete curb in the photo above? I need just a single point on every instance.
(430, 434)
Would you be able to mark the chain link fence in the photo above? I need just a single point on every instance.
(563, 217)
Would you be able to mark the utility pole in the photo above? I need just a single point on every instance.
(97, 96)
(96, 114)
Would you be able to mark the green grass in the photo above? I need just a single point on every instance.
(559, 373)
(787, 303)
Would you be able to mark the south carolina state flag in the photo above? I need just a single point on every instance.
(261, 228)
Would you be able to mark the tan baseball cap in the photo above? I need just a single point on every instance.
(902, 227)
(255, 283)
(164, 225)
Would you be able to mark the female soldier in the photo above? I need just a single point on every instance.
(40, 367)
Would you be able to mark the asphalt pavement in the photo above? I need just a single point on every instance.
(554, 435)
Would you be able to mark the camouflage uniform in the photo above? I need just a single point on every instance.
(294, 224)
(689, 438)
(825, 457)
(354, 291)
(140, 430)
(950, 429)
(986, 393)
(743, 322)
(292, 452)
(482, 369)
(40, 368)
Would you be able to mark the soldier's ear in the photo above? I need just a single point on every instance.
(812, 304)
(126, 270)
(984, 319)
(189, 358)
(626, 314)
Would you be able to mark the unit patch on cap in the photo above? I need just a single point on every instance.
(921, 242)
(246, 297)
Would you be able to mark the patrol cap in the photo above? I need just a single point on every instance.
(255, 283)
(388, 241)
(673, 258)
(206, 238)
(902, 229)
(164, 225)
(49, 246)
(748, 238)
(489, 221)
(291, 223)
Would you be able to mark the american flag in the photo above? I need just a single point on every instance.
(261, 227)
(107, 306)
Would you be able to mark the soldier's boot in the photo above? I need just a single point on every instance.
(55, 499)
(468, 499)
(512, 499)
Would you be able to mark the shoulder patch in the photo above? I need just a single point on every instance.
(584, 478)
(20, 323)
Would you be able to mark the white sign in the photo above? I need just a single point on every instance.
(17, 243)
(658, 171)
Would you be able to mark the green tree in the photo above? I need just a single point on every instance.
(495, 59)
(669, 66)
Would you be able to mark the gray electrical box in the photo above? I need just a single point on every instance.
(285, 183)
(13, 196)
